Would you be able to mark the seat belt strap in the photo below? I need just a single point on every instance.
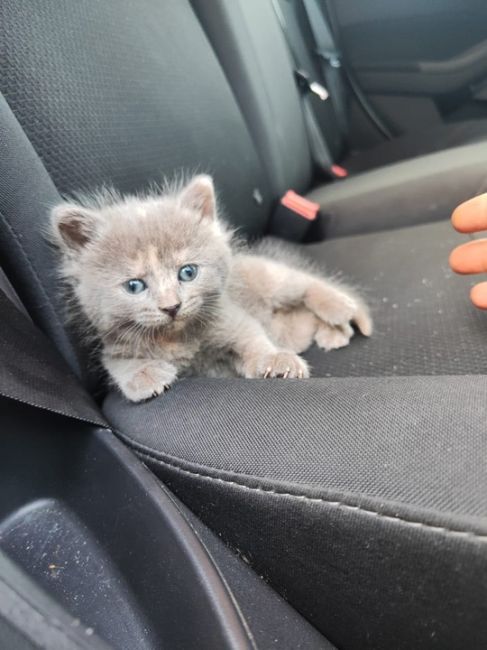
(331, 61)
(311, 93)
(33, 372)
(319, 149)
(335, 71)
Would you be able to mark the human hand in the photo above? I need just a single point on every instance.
(471, 258)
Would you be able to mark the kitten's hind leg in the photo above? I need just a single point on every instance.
(293, 329)
(337, 305)
(332, 337)
(297, 328)
(283, 287)
(140, 379)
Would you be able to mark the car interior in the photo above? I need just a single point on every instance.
(343, 511)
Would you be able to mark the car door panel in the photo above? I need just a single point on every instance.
(418, 62)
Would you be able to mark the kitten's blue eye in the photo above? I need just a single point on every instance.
(188, 272)
(135, 286)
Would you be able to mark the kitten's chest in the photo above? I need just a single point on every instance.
(177, 351)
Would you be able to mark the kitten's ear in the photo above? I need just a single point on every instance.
(199, 195)
(74, 225)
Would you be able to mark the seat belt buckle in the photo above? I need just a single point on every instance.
(307, 85)
(293, 217)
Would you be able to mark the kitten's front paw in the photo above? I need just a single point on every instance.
(151, 380)
(329, 337)
(282, 364)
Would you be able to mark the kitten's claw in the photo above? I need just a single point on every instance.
(282, 365)
(165, 388)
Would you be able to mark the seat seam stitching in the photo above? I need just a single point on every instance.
(464, 534)
(56, 411)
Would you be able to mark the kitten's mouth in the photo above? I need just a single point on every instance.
(161, 323)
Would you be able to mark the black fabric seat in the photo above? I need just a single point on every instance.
(360, 496)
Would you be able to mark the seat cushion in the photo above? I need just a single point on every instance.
(359, 497)
(412, 145)
(411, 192)
(360, 500)
(425, 323)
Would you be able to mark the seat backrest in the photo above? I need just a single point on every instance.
(116, 92)
(248, 40)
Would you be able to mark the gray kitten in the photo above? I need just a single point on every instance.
(169, 293)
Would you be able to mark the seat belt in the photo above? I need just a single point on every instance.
(331, 61)
(319, 149)
(335, 71)
(33, 372)
(312, 94)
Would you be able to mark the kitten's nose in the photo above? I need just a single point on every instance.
(172, 310)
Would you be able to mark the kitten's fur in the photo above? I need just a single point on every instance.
(251, 311)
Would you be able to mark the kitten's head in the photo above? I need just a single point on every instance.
(157, 261)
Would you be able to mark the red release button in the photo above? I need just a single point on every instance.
(297, 203)
(338, 171)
